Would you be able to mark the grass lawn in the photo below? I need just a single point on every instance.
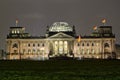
(60, 70)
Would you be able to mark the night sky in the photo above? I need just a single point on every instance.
(35, 15)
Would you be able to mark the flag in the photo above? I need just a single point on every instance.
(95, 28)
(104, 21)
(16, 21)
(79, 39)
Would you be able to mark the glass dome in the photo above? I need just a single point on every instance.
(60, 27)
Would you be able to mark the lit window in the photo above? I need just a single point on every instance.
(18, 31)
(56, 42)
(15, 31)
(12, 31)
(97, 44)
(56, 47)
(97, 57)
(65, 47)
(61, 47)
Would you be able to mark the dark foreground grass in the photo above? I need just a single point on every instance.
(60, 70)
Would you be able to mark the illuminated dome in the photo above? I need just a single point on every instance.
(60, 27)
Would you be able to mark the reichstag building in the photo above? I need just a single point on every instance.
(60, 40)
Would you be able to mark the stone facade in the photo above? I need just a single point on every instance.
(60, 40)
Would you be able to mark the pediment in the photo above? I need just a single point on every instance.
(61, 35)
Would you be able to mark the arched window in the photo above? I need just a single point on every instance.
(87, 44)
(92, 44)
(33, 45)
(106, 45)
(15, 45)
(78, 44)
(38, 45)
(82, 44)
(43, 45)
(28, 45)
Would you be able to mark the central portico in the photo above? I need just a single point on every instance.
(61, 44)
(61, 37)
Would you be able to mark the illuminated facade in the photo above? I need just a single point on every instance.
(60, 40)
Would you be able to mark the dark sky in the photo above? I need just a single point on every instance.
(35, 15)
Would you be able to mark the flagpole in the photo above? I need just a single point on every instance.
(16, 22)
(95, 28)
(104, 22)
(79, 38)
